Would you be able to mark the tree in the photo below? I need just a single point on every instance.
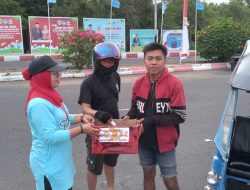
(221, 40)
(139, 14)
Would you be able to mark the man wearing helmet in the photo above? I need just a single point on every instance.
(99, 98)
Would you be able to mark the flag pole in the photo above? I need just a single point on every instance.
(185, 39)
(49, 30)
(195, 34)
(110, 23)
(161, 27)
(163, 10)
(155, 15)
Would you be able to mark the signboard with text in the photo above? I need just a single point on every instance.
(119, 139)
(11, 40)
(112, 29)
(141, 37)
(45, 32)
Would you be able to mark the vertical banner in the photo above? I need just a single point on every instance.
(11, 40)
(103, 26)
(172, 39)
(141, 37)
(40, 35)
(185, 40)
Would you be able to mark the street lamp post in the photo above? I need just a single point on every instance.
(155, 2)
(155, 16)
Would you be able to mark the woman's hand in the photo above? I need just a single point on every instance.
(87, 118)
(90, 130)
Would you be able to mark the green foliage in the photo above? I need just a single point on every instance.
(220, 41)
(10, 7)
(139, 14)
(77, 47)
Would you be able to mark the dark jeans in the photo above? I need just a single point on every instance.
(47, 184)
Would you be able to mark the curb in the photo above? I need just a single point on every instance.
(126, 55)
(17, 76)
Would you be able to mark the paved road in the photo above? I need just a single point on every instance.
(206, 94)
(172, 60)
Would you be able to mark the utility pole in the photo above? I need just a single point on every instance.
(155, 15)
(155, 2)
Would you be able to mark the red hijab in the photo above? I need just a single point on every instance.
(40, 87)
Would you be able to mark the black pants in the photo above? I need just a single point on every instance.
(47, 184)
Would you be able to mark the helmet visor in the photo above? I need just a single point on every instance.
(107, 50)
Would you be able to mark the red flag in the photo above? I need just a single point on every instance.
(185, 40)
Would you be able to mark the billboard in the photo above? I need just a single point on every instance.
(45, 32)
(11, 40)
(172, 39)
(141, 37)
(112, 29)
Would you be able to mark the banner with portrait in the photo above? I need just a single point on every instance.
(141, 37)
(45, 32)
(112, 29)
(172, 39)
(11, 39)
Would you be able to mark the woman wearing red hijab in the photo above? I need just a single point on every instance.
(51, 159)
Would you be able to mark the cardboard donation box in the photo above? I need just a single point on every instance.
(119, 138)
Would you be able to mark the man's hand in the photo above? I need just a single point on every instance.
(124, 118)
(102, 116)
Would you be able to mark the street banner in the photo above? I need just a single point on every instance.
(112, 29)
(172, 39)
(185, 40)
(11, 40)
(141, 37)
(45, 32)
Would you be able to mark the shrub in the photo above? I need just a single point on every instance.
(77, 47)
(220, 41)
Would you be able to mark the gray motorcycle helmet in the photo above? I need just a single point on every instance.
(106, 50)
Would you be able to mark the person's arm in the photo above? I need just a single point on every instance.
(44, 124)
(86, 109)
(86, 129)
(47, 129)
(81, 118)
(102, 116)
(177, 113)
(169, 119)
(132, 113)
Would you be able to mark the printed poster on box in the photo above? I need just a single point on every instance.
(45, 33)
(141, 37)
(112, 29)
(119, 139)
(11, 38)
(172, 39)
